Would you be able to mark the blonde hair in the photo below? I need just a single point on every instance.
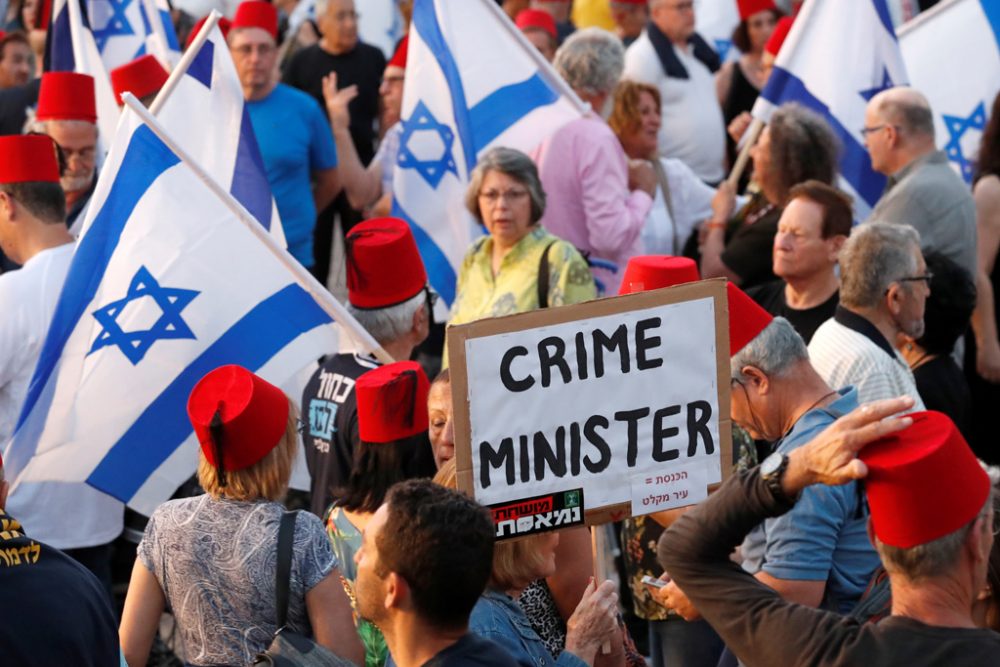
(268, 478)
(515, 561)
(624, 117)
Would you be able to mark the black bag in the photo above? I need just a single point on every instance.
(288, 648)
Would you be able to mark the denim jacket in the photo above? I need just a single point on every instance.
(498, 617)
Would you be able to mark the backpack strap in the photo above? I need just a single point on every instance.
(282, 582)
(543, 277)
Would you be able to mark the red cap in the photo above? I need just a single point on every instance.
(536, 18)
(383, 264)
(66, 96)
(3, 33)
(750, 7)
(28, 158)
(399, 57)
(224, 25)
(746, 319)
(392, 402)
(257, 14)
(778, 35)
(254, 416)
(143, 76)
(923, 482)
(649, 272)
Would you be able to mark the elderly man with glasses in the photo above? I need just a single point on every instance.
(884, 284)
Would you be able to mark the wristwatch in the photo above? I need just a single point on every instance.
(772, 470)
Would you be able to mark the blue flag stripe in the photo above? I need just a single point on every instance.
(200, 68)
(426, 23)
(60, 44)
(145, 160)
(439, 270)
(855, 164)
(163, 426)
(882, 9)
(992, 10)
(505, 106)
(250, 186)
(168, 29)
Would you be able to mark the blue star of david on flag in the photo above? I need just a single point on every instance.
(957, 127)
(116, 25)
(433, 170)
(722, 47)
(886, 84)
(169, 325)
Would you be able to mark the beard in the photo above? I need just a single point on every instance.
(71, 183)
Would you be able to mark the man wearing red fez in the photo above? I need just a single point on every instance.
(680, 63)
(294, 138)
(15, 60)
(369, 188)
(388, 295)
(630, 18)
(67, 112)
(931, 520)
(143, 77)
(339, 51)
(540, 29)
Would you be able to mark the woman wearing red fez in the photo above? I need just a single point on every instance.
(211, 558)
(392, 421)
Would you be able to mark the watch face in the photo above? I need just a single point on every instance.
(771, 464)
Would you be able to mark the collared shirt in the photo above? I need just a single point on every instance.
(930, 197)
(850, 350)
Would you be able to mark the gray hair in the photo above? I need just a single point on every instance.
(591, 61)
(387, 325)
(803, 147)
(875, 255)
(933, 558)
(907, 109)
(513, 163)
(42, 126)
(774, 351)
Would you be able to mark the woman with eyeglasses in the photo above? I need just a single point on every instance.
(518, 266)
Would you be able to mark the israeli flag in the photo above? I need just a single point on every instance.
(472, 82)
(715, 20)
(838, 56)
(70, 47)
(953, 55)
(202, 108)
(127, 29)
(168, 281)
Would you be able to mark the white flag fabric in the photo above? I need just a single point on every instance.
(466, 91)
(715, 20)
(836, 57)
(952, 53)
(206, 115)
(71, 48)
(127, 29)
(165, 285)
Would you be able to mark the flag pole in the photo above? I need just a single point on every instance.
(322, 297)
(752, 133)
(182, 65)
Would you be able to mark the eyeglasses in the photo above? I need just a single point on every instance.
(683, 7)
(347, 15)
(491, 197)
(912, 279)
(244, 50)
(865, 131)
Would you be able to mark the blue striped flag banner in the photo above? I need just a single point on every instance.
(127, 29)
(837, 56)
(952, 53)
(473, 81)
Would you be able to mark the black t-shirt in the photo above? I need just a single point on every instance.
(474, 651)
(362, 67)
(749, 246)
(54, 611)
(771, 297)
(942, 387)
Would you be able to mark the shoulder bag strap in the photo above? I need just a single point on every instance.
(286, 539)
(661, 175)
(543, 277)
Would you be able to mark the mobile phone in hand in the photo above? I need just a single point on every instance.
(653, 581)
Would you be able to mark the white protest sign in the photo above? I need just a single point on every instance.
(597, 396)
(682, 486)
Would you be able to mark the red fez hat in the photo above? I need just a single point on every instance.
(143, 76)
(383, 264)
(3, 33)
(66, 96)
(923, 482)
(392, 402)
(257, 14)
(28, 158)
(252, 417)
(778, 35)
(750, 7)
(649, 272)
(399, 57)
(224, 26)
(746, 319)
(536, 18)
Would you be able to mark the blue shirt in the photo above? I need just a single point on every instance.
(295, 141)
(824, 537)
(498, 617)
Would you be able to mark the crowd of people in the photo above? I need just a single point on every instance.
(857, 522)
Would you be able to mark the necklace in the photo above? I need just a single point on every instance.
(808, 410)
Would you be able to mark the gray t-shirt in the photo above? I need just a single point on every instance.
(216, 561)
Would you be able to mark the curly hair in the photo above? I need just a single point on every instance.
(624, 117)
(803, 147)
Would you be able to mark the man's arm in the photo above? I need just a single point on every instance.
(799, 591)
(326, 187)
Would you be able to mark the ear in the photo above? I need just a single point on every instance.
(758, 380)
(7, 205)
(397, 591)
(834, 244)
(977, 542)
(894, 298)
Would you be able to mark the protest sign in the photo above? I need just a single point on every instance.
(608, 396)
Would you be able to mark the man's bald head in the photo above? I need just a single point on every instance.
(907, 109)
